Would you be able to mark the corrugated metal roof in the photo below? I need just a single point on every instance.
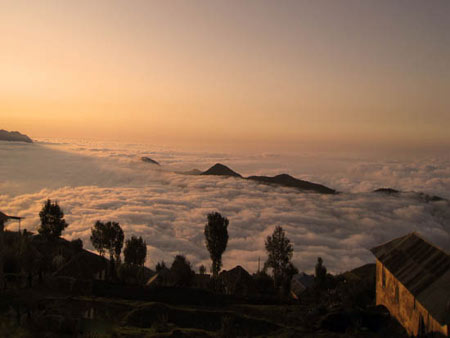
(422, 268)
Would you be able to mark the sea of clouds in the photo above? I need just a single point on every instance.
(108, 181)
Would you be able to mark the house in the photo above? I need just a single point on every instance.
(413, 283)
(201, 281)
(238, 281)
(85, 265)
(4, 218)
(300, 282)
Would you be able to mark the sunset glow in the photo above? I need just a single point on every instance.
(286, 73)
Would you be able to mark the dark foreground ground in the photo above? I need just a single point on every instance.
(344, 308)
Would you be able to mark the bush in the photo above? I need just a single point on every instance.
(77, 244)
(182, 271)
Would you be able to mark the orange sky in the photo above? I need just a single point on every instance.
(280, 73)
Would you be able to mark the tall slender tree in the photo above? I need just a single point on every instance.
(216, 235)
(321, 273)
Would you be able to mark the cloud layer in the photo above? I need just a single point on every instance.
(108, 182)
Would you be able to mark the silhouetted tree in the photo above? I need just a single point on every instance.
(182, 271)
(52, 220)
(216, 234)
(280, 250)
(160, 265)
(264, 283)
(202, 269)
(321, 273)
(108, 237)
(135, 251)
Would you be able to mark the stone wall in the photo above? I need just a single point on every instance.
(402, 304)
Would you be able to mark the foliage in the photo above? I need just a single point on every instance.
(131, 274)
(20, 254)
(216, 235)
(182, 271)
(264, 283)
(135, 251)
(108, 237)
(280, 250)
(202, 269)
(160, 266)
(58, 261)
(52, 220)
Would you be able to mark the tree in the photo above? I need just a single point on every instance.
(52, 220)
(216, 235)
(280, 250)
(182, 271)
(108, 237)
(135, 251)
(321, 273)
(202, 269)
(160, 266)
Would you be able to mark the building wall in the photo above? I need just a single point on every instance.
(402, 304)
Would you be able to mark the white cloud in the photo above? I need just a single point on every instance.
(109, 182)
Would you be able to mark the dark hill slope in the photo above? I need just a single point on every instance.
(149, 160)
(14, 136)
(292, 182)
(221, 170)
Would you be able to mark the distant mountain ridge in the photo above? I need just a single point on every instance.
(423, 196)
(14, 136)
(286, 180)
(281, 180)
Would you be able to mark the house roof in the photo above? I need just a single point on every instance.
(4, 217)
(238, 281)
(423, 268)
(83, 265)
(304, 279)
(161, 277)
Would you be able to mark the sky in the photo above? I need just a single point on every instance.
(229, 74)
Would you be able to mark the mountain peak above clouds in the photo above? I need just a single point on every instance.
(221, 170)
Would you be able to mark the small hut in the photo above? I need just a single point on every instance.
(413, 283)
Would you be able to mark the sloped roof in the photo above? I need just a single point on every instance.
(422, 268)
(162, 277)
(4, 217)
(83, 265)
(238, 281)
(304, 279)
